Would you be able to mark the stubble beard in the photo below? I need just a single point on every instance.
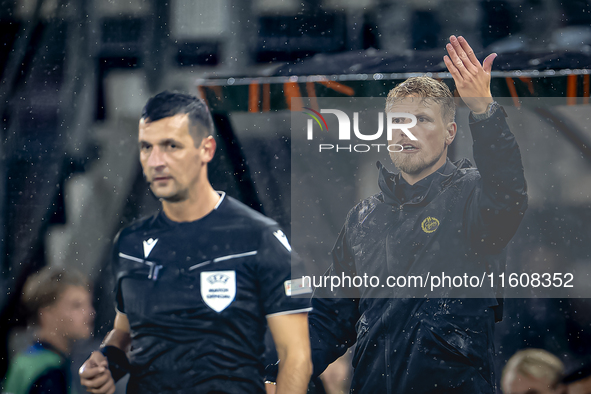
(413, 164)
(179, 196)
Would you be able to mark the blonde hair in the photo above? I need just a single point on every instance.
(536, 363)
(427, 88)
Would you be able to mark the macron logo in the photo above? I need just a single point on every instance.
(283, 239)
(148, 246)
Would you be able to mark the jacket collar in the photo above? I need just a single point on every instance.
(387, 181)
(40, 345)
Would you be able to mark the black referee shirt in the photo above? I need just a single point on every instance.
(197, 295)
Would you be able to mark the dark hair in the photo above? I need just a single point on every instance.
(44, 288)
(167, 104)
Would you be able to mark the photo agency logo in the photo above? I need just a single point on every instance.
(347, 141)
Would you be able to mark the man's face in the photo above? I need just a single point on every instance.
(423, 156)
(72, 314)
(516, 383)
(172, 164)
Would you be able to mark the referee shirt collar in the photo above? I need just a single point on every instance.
(168, 221)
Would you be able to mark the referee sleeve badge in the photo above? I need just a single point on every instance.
(294, 287)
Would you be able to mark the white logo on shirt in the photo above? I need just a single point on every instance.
(283, 239)
(148, 246)
(218, 289)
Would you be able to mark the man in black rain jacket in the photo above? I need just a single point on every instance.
(434, 216)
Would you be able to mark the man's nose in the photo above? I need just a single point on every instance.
(156, 158)
(414, 130)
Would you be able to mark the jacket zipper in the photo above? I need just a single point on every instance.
(387, 354)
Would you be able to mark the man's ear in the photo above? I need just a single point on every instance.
(208, 145)
(451, 130)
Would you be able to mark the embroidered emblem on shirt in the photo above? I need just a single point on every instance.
(283, 239)
(218, 289)
(430, 224)
(148, 246)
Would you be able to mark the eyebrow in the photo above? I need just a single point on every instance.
(424, 114)
(416, 115)
(161, 142)
(168, 141)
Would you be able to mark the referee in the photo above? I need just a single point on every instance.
(197, 283)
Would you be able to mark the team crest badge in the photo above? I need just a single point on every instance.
(218, 289)
(430, 224)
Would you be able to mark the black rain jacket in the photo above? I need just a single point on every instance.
(461, 225)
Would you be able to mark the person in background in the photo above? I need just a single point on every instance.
(58, 304)
(533, 371)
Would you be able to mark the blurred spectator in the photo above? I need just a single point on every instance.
(579, 382)
(59, 306)
(533, 371)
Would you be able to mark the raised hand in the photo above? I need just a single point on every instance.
(472, 79)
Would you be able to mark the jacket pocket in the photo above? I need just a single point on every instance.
(466, 338)
(456, 344)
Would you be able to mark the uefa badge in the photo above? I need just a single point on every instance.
(218, 289)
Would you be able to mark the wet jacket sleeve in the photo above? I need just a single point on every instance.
(334, 312)
(496, 206)
(115, 268)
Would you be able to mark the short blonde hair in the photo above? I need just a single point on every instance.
(429, 89)
(536, 363)
(43, 288)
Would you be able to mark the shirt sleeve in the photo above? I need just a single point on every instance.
(116, 269)
(280, 292)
